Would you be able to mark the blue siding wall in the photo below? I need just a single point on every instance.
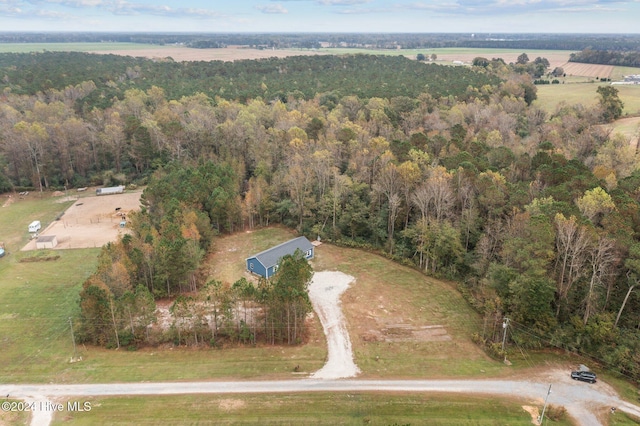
(253, 265)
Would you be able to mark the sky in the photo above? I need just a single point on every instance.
(422, 16)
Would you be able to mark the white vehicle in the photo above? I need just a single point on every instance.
(35, 226)
(110, 190)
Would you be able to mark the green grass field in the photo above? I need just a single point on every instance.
(620, 72)
(551, 95)
(304, 409)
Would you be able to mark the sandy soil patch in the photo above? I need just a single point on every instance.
(10, 199)
(407, 333)
(382, 320)
(324, 291)
(180, 54)
(533, 411)
(232, 404)
(91, 221)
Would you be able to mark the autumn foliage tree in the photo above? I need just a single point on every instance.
(452, 171)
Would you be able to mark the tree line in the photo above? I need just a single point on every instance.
(534, 214)
(605, 56)
(574, 42)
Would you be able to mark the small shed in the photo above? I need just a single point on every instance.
(266, 263)
(46, 241)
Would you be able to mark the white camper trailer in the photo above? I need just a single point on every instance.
(35, 226)
(110, 190)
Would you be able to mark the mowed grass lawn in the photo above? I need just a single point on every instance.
(387, 298)
(348, 408)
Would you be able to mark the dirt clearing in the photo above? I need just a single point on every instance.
(91, 221)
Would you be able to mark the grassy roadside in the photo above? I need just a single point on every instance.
(309, 409)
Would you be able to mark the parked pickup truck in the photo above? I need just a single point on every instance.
(585, 376)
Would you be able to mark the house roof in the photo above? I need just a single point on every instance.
(271, 256)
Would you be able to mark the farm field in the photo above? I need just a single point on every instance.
(620, 72)
(552, 95)
(466, 55)
(177, 53)
(74, 47)
(309, 409)
(181, 53)
(588, 70)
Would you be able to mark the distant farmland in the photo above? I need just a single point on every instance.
(588, 70)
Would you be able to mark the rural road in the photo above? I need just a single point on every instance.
(578, 398)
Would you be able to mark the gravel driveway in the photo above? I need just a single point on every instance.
(324, 291)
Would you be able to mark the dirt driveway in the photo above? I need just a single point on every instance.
(91, 221)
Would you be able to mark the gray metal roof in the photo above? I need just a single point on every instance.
(271, 257)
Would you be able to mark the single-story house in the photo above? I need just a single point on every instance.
(46, 241)
(266, 263)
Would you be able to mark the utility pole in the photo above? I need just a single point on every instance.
(541, 418)
(505, 324)
(73, 338)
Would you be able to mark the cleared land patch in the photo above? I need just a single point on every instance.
(402, 323)
(91, 221)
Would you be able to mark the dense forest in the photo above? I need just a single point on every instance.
(299, 77)
(540, 41)
(607, 57)
(535, 215)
